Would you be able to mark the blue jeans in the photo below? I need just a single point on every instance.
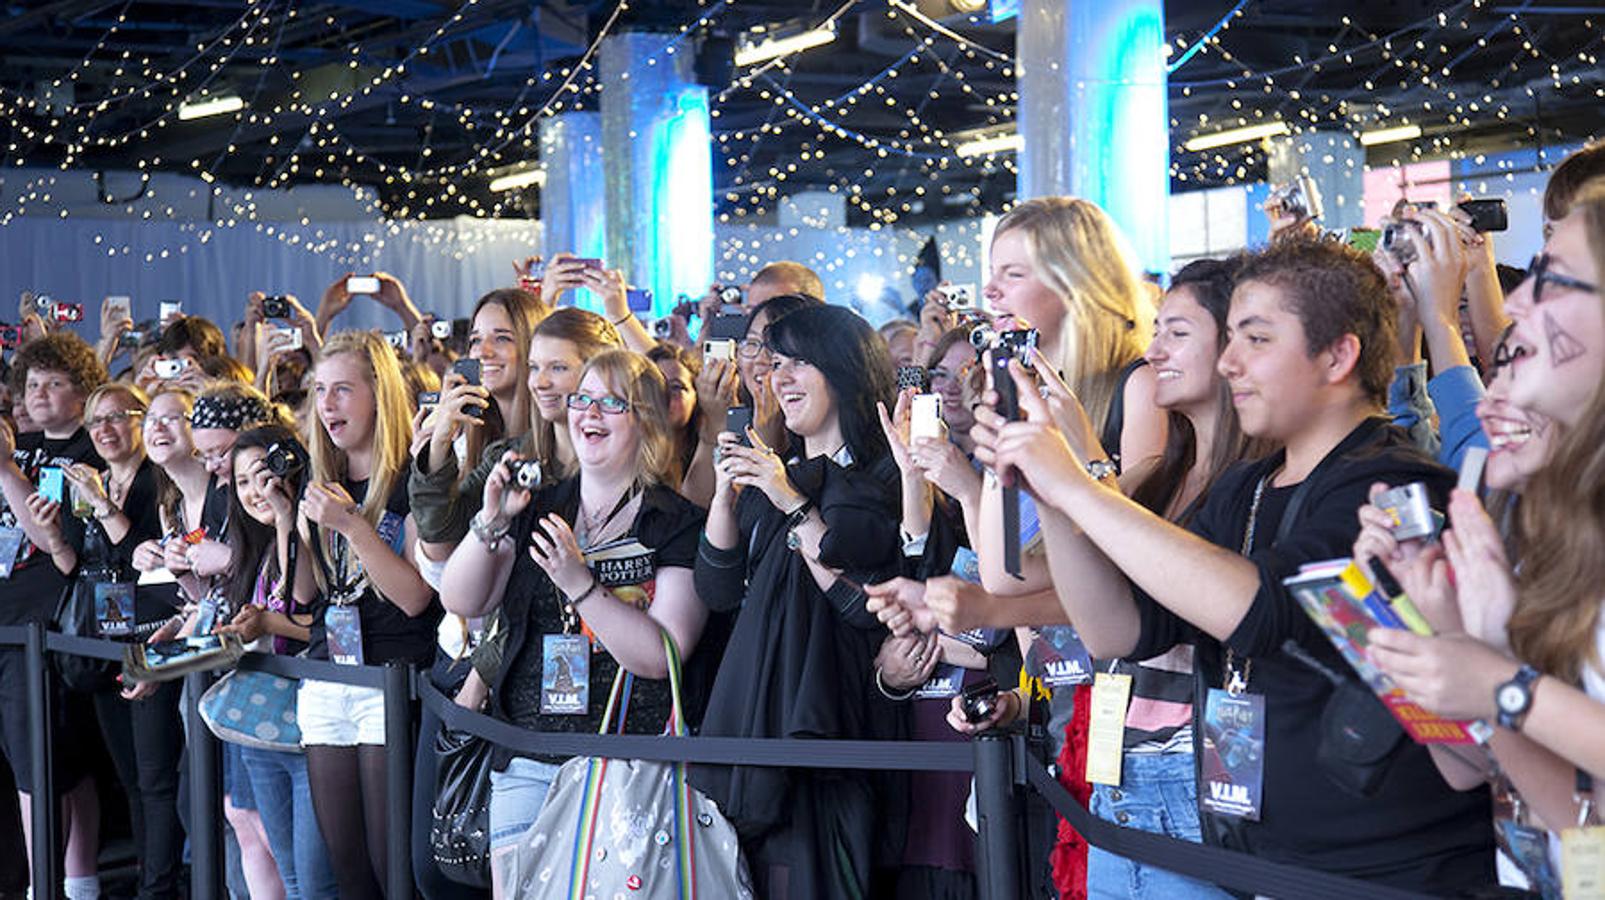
(516, 798)
(1158, 793)
(284, 800)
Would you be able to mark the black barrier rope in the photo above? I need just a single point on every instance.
(1230, 869)
(1227, 868)
(922, 756)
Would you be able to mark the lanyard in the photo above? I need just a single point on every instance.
(1584, 794)
(1236, 682)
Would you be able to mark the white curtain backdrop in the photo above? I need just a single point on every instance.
(446, 264)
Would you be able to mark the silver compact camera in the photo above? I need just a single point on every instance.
(1299, 198)
(1410, 510)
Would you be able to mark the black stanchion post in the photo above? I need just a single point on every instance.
(398, 779)
(205, 795)
(46, 873)
(997, 837)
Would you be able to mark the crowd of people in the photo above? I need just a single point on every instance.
(765, 533)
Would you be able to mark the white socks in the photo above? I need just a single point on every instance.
(85, 888)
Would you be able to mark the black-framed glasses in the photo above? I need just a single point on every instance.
(608, 403)
(1538, 273)
(750, 348)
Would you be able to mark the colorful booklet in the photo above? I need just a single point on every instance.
(1341, 598)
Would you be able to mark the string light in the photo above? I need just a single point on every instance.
(912, 162)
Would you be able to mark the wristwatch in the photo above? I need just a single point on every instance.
(1515, 697)
(1100, 469)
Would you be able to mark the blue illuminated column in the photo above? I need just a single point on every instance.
(1094, 114)
(657, 153)
(1335, 160)
(573, 201)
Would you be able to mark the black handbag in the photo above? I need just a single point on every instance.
(459, 833)
(1358, 734)
(75, 617)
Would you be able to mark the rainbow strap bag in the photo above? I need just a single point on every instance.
(627, 827)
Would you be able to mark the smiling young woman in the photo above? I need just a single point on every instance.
(527, 562)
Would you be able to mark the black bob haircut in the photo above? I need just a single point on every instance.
(856, 364)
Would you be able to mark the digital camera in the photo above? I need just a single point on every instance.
(979, 701)
(1299, 198)
(276, 307)
(284, 459)
(527, 473)
(1410, 509)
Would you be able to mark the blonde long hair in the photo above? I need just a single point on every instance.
(392, 428)
(1079, 254)
(1563, 521)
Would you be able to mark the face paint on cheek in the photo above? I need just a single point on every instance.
(1563, 348)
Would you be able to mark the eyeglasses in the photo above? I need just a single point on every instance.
(750, 348)
(171, 420)
(1538, 273)
(120, 417)
(613, 406)
(216, 457)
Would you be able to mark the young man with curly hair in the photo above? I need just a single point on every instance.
(52, 377)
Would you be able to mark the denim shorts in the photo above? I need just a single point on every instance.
(516, 798)
(1158, 793)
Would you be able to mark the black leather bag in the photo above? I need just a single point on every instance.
(1358, 734)
(75, 617)
(459, 835)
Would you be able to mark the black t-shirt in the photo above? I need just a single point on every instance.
(663, 534)
(34, 588)
(152, 603)
(388, 633)
(1415, 832)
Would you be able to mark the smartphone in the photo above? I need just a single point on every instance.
(292, 339)
(129, 341)
(1489, 214)
(52, 483)
(362, 284)
(468, 369)
(171, 309)
(428, 400)
(171, 368)
(10, 335)
(737, 419)
(120, 307)
(638, 300)
(721, 335)
(925, 420)
(590, 263)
